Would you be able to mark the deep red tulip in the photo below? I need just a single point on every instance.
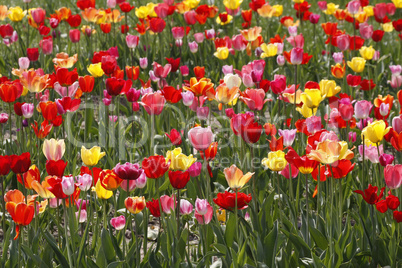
(174, 137)
(154, 208)
(251, 132)
(84, 4)
(66, 104)
(377, 35)
(66, 77)
(227, 200)
(370, 194)
(157, 25)
(175, 63)
(155, 166)
(20, 163)
(109, 64)
(353, 80)
(397, 216)
(125, 7)
(55, 168)
(5, 165)
(392, 201)
(75, 35)
(49, 110)
(179, 179)
(86, 83)
(115, 86)
(74, 20)
(397, 25)
(33, 54)
(6, 30)
(10, 91)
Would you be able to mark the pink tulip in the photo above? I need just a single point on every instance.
(313, 124)
(47, 46)
(239, 43)
(200, 138)
(296, 55)
(38, 15)
(380, 10)
(227, 69)
(133, 95)
(395, 69)
(343, 42)
(314, 18)
(288, 135)
(27, 110)
(396, 81)
(202, 112)
(143, 63)
(81, 204)
(131, 185)
(393, 176)
(3, 118)
(161, 71)
(338, 57)
(384, 109)
(193, 46)
(153, 103)
(199, 37)
(292, 30)
(397, 124)
(141, 182)
(168, 203)
(210, 34)
(118, 222)
(84, 182)
(82, 214)
(371, 152)
(354, 6)
(178, 33)
(111, 3)
(280, 60)
(206, 216)
(229, 112)
(254, 98)
(285, 171)
(296, 41)
(322, 5)
(278, 85)
(363, 109)
(184, 70)
(128, 171)
(366, 30)
(201, 206)
(66, 91)
(132, 41)
(162, 10)
(54, 202)
(352, 136)
(75, 35)
(189, 17)
(68, 185)
(185, 207)
(195, 169)
(187, 97)
(386, 159)
(23, 62)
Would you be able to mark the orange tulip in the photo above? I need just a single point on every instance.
(109, 180)
(42, 188)
(338, 70)
(252, 33)
(135, 204)
(200, 87)
(21, 213)
(33, 174)
(62, 60)
(34, 82)
(223, 94)
(132, 72)
(91, 14)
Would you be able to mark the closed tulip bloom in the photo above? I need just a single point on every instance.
(75, 35)
(280, 60)
(179, 179)
(393, 176)
(343, 42)
(375, 131)
(288, 135)
(202, 113)
(153, 103)
(84, 182)
(143, 63)
(386, 159)
(178, 160)
(95, 69)
(232, 4)
(27, 110)
(193, 46)
(397, 124)
(201, 206)
(329, 88)
(269, 50)
(135, 204)
(16, 14)
(91, 157)
(312, 98)
(53, 149)
(367, 52)
(82, 214)
(132, 41)
(109, 180)
(185, 207)
(222, 53)
(118, 222)
(338, 57)
(195, 169)
(363, 109)
(276, 161)
(357, 64)
(23, 62)
(68, 185)
(296, 55)
(206, 217)
(38, 15)
(354, 6)
(200, 138)
(329, 151)
(235, 178)
(155, 166)
(370, 152)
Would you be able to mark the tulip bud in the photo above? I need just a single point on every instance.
(67, 185)
(386, 159)
(118, 222)
(354, 6)
(280, 60)
(187, 97)
(27, 110)
(83, 216)
(384, 109)
(143, 63)
(338, 57)
(296, 56)
(185, 207)
(279, 47)
(292, 30)
(23, 62)
(132, 41)
(199, 37)
(201, 206)
(184, 70)
(84, 182)
(352, 136)
(193, 46)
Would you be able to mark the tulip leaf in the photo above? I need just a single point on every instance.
(318, 238)
(35, 258)
(230, 231)
(270, 244)
(59, 254)
(107, 246)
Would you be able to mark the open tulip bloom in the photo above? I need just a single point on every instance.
(229, 133)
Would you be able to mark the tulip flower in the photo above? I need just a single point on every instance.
(118, 222)
(95, 69)
(21, 213)
(329, 151)
(185, 207)
(195, 169)
(227, 200)
(375, 131)
(153, 103)
(153, 207)
(135, 204)
(178, 160)
(83, 215)
(91, 157)
(393, 176)
(235, 178)
(101, 192)
(155, 166)
(370, 194)
(109, 180)
(68, 185)
(204, 216)
(55, 168)
(222, 53)
(128, 171)
(53, 149)
(84, 181)
(357, 64)
(20, 163)
(276, 161)
(288, 135)
(200, 138)
(174, 137)
(179, 179)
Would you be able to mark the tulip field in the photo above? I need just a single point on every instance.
(200, 133)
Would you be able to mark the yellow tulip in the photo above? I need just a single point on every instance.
(291, 96)
(312, 97)
(191, 3)
(222, 53)
(16, 14)
(298, 1)
(178, 160)
(387, 27)
(143, 11)
(357, 64)
(369, 11)
(251, 34)
(101, 192)
(91, 157)
(331, 8)
(329, 88)
(95, 69)
(375, 131)
(269, 50)
(276, 161)
(232, 4)
(367, 52)
(397, 3)
(221, 215)
(277, 10)
(235, 178)
(329, 151)
(305, 111)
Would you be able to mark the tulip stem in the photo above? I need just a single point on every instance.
(237, 226)
(307, 212)
(66, 234)
(137, 250)
(10, 122)
(279, 196)
(104, 214)
(3, 206)
(178, 213)
(125, 226)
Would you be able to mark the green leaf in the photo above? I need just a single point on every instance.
(56, 249)
(270, 244)
(320, 240)
(32, 256)
(107, 246)
(230, 231)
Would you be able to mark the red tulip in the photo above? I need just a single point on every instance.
(353, 80)
(66, 77)
(171, 94)
(109, 180)
(132, 72)
(175, 63)
(370, 194)
(210, 153)
(106, 27)
(341, 168)
(125, 7)
(157, 25)
(115, 86)
(44, 129)
(66, 104)
(227, 200)
(153, 103)
(74, 20)
(397, 216)
(179, 179)
(55, 187)
(84, 4)
(303, 163)
(10, 91)
(21, 213)
(5, 165)
(33, 174)
(86, 83)
(377, 35)
(55, 168)
(109, 64)
(20, 163)
(397, 25)
(75, 35)
(154, 208)
(33, 54)
(392, 201)
(49, 110)
(174, 137)
(155, 166)
(6, 30)
(251, 132)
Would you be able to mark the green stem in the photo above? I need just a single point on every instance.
(70, 261)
